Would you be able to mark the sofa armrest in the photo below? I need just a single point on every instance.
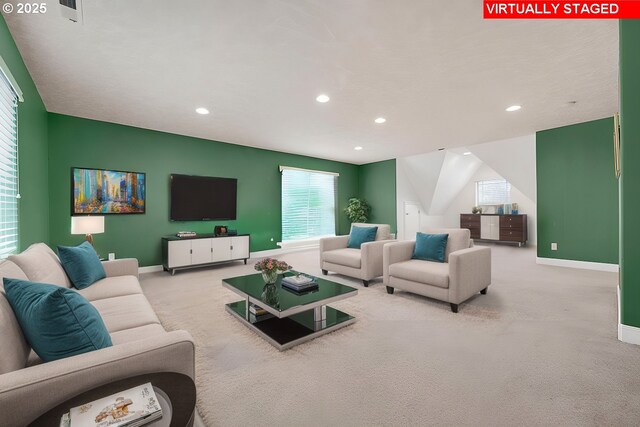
(469, 272)
(396, 252)
(332, 243)
(121, 267)
(371, 258)
(27, 393)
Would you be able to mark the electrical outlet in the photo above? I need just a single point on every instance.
(112, 256)
(554, 246)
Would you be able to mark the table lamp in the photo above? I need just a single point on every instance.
(87, 225)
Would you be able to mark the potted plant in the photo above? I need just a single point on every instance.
(357, 210)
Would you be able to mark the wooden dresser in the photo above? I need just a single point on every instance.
(472, 222)
(494, 227)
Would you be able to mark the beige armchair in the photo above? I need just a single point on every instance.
(364, 263)
(465, 272)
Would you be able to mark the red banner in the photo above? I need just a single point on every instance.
(621, 9)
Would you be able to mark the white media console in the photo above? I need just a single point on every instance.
(186, 252)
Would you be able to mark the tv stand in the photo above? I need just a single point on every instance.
(180, 253)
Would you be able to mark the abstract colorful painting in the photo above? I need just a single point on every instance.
(104, 192)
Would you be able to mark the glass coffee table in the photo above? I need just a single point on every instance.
(289, 318)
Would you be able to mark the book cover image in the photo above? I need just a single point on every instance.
(125, 408)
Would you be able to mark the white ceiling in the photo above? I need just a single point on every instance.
(439, 73)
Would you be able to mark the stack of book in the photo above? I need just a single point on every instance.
(300, 283)
(257, 313)
(182, 234)
(129, 408)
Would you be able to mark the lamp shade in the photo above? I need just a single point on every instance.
(87, 224)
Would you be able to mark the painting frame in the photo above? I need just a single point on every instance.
(116, 205)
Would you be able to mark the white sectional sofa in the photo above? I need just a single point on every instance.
(29, 387)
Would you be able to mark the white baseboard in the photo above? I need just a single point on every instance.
(629, 334)
(585, 265)
(626, 333)
(149, 269)
(281, 251)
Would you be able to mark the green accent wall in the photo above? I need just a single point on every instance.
(88, 143)
(378, 188)
(32, 146)
(577, 192)
(630, 177)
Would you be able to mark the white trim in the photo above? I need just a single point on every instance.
(626, 333)
(302, 243)
(619, 310)
(16, 88)
(599, 266)
(282, 168)
(280, 251)
(150, 269)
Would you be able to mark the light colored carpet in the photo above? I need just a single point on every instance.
(539, 349)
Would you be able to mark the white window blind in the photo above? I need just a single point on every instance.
(308, 204)
(493, 192)
(8, 168)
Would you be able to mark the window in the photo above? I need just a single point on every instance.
(308, 204)
(493, 192)
(8, 168)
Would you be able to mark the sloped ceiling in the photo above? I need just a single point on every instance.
(514, 159)
(456, 172)
(423, 172)
(436, 178)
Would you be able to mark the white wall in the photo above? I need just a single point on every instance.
(404, 193)
(466, 199)
(443, 183)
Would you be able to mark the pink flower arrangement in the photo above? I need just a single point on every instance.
(271, 264)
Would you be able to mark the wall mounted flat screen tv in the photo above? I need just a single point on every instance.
(202, 198)
(106, 192)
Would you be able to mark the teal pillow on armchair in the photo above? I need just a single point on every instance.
(82, 264)
(57, 322)
(360, 235)
(430, 247)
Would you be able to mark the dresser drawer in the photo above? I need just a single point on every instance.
(470, 218)
(512, 219)
(475, 232)
(511, 235)
(514, 226)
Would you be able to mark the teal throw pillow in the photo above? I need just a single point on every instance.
(57, 322)
(360, 235)
(430, 247)
(82, 264)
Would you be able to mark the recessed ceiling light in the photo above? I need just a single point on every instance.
(466, 153)
(323, 98)
(202, 110)
(513, 108)
(358, 148)
(380, 120)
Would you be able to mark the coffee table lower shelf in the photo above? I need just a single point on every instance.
(284, 333)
